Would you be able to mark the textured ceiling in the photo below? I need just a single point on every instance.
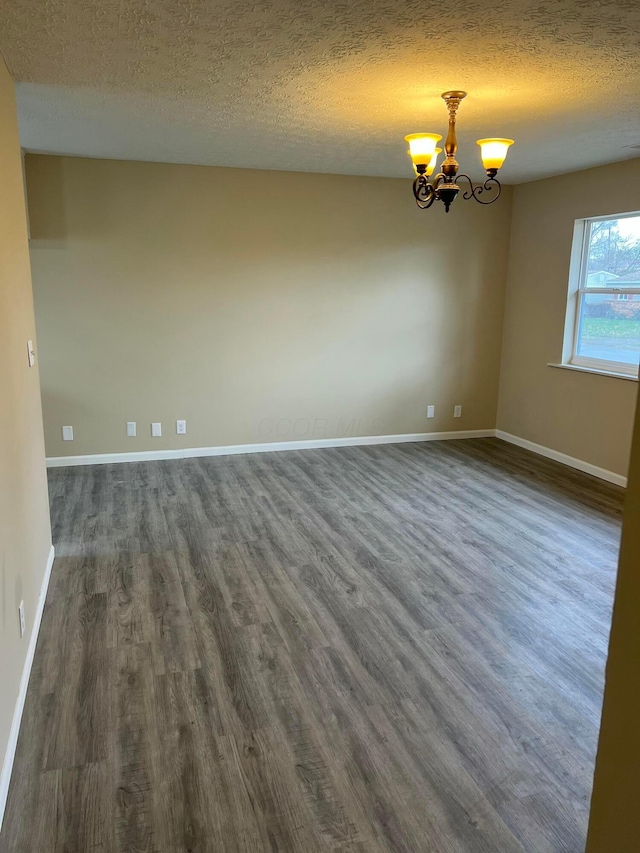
(326, 86)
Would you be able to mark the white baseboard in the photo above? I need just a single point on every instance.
(352, 441)
(571, 461)
(10, 752)
(266, 447)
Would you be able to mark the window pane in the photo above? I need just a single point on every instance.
(613, 253)
(610, 327)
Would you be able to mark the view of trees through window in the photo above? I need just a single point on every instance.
(609, 324)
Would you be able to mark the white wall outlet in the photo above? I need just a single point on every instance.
(31, 354)
(457, 411)
(431, 411)
(23, 624)
(67, 433)
(131, 429)
(156, 430)
(181, 427)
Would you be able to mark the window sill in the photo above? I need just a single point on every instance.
(582, 369)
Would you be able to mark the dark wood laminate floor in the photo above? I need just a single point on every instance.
(391, 648)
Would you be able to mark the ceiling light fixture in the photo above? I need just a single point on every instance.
(444, 187)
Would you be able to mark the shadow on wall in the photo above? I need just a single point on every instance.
(47, 218)
(59, 408)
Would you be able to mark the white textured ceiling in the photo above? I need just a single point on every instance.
(326, 86)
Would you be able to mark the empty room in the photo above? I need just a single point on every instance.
(319, 456)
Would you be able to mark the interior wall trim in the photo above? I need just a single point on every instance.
(266, 447)
(571, 461)
(352, 441)
(10, 752)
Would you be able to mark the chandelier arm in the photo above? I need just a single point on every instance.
(424, 192)
(476, 191)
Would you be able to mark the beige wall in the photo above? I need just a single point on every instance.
(259, 306)
(25, 537)
(615, 817)
(587, 416)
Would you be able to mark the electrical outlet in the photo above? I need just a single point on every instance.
(181, 427)
(131, 429)
(67, 433)
(156, 430)
(431, 411)
(457, 411)
(23, 627)
(31, 354)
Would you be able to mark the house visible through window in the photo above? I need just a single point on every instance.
(604, 299)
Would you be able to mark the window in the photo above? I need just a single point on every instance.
(603, 316)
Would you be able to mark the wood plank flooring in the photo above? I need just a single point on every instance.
(391, 648)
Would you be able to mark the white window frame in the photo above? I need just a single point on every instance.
(577, 288)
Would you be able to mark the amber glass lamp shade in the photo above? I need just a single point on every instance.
(422, 147)
(494, 152)
(432, 163)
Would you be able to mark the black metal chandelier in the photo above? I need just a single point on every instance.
(444, 187)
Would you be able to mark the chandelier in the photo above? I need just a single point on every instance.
(444, 187)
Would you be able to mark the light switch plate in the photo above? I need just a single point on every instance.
(31, 353)
(67, 433)
(131, 429)
(156, 430)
